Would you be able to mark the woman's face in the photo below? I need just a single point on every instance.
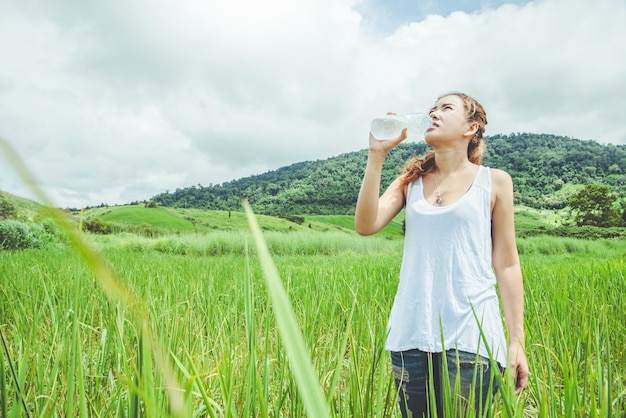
(449, 120)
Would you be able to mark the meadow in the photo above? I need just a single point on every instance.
(187, 326)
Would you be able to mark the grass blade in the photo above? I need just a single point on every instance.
(108, 281)
(314, 402)
(15, 378)
(3, 391)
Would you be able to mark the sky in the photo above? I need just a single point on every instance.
(117, 101)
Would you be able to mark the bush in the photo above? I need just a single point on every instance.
(97, 226)
(294, 218)
(16, 235)
(7, 210)
(589, 232)
(144, 229)
(570, 231)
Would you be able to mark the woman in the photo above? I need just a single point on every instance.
(459, 243)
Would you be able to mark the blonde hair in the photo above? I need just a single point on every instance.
(416, 167)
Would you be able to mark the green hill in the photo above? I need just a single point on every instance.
(546, 171)
(132, 217)
(19, 208)
(346, 222)
(167, 220)
(138, 215)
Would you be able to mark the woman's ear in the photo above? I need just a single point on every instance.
(473, 128)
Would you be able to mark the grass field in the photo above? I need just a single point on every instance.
(199, 220)
(189, 328)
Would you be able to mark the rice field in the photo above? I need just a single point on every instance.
(190, 325)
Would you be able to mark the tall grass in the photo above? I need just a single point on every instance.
(218, 243)
(308, 385)
(579, 328)
(213, 317)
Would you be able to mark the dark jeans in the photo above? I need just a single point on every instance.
(424, 386)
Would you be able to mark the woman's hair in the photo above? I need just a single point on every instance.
(418, 166)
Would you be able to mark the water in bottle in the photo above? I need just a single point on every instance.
(390, 126)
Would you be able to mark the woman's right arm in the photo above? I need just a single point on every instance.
(374, 212)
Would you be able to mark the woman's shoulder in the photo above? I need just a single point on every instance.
(500, 176)
(501, 181)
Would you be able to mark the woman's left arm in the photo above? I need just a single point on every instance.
(509, 273)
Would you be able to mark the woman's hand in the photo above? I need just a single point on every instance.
(386, 145)
(373, 211)
(518, 365)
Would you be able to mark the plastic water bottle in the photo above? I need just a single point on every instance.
(390, 126)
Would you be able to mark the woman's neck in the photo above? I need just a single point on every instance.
(450, 161)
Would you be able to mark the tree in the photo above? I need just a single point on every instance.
(593, 205)
(97, 226)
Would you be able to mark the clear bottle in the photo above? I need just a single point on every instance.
(390, 126)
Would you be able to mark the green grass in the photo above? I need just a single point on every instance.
(346, 222)
(199, 220)
(527, 217)
(137, 215)
(342, 222)
(25, 208)
(217, 243)
(76, 349)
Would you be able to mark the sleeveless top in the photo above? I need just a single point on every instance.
(447, 285)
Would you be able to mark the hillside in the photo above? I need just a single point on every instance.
(15, 207)
(148, 221)
(163, 220)
(546, 170)
(144, 220)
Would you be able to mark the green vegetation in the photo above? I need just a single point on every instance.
(15, 235)
(78, 352)
(149, 222)
(158, 217)
(13, 207)
(166, 220)
(146, 310)
(595, 205)
(546, 171)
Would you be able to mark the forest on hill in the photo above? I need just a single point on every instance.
(546, 171)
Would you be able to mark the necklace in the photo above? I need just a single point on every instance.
(439, 200)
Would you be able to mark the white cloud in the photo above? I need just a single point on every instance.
(117, 101)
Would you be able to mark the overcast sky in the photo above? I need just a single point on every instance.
(116, 101)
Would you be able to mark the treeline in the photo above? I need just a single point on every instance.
(542, 167)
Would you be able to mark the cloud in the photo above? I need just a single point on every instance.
(118, 101)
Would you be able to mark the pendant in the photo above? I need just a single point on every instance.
(438, 201)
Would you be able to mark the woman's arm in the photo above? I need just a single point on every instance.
(509, 274)
(374, 212)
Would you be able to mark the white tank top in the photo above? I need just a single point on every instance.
(446, 278)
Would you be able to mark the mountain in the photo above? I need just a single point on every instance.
(546, 171)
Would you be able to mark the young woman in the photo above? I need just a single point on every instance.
(459, 243)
